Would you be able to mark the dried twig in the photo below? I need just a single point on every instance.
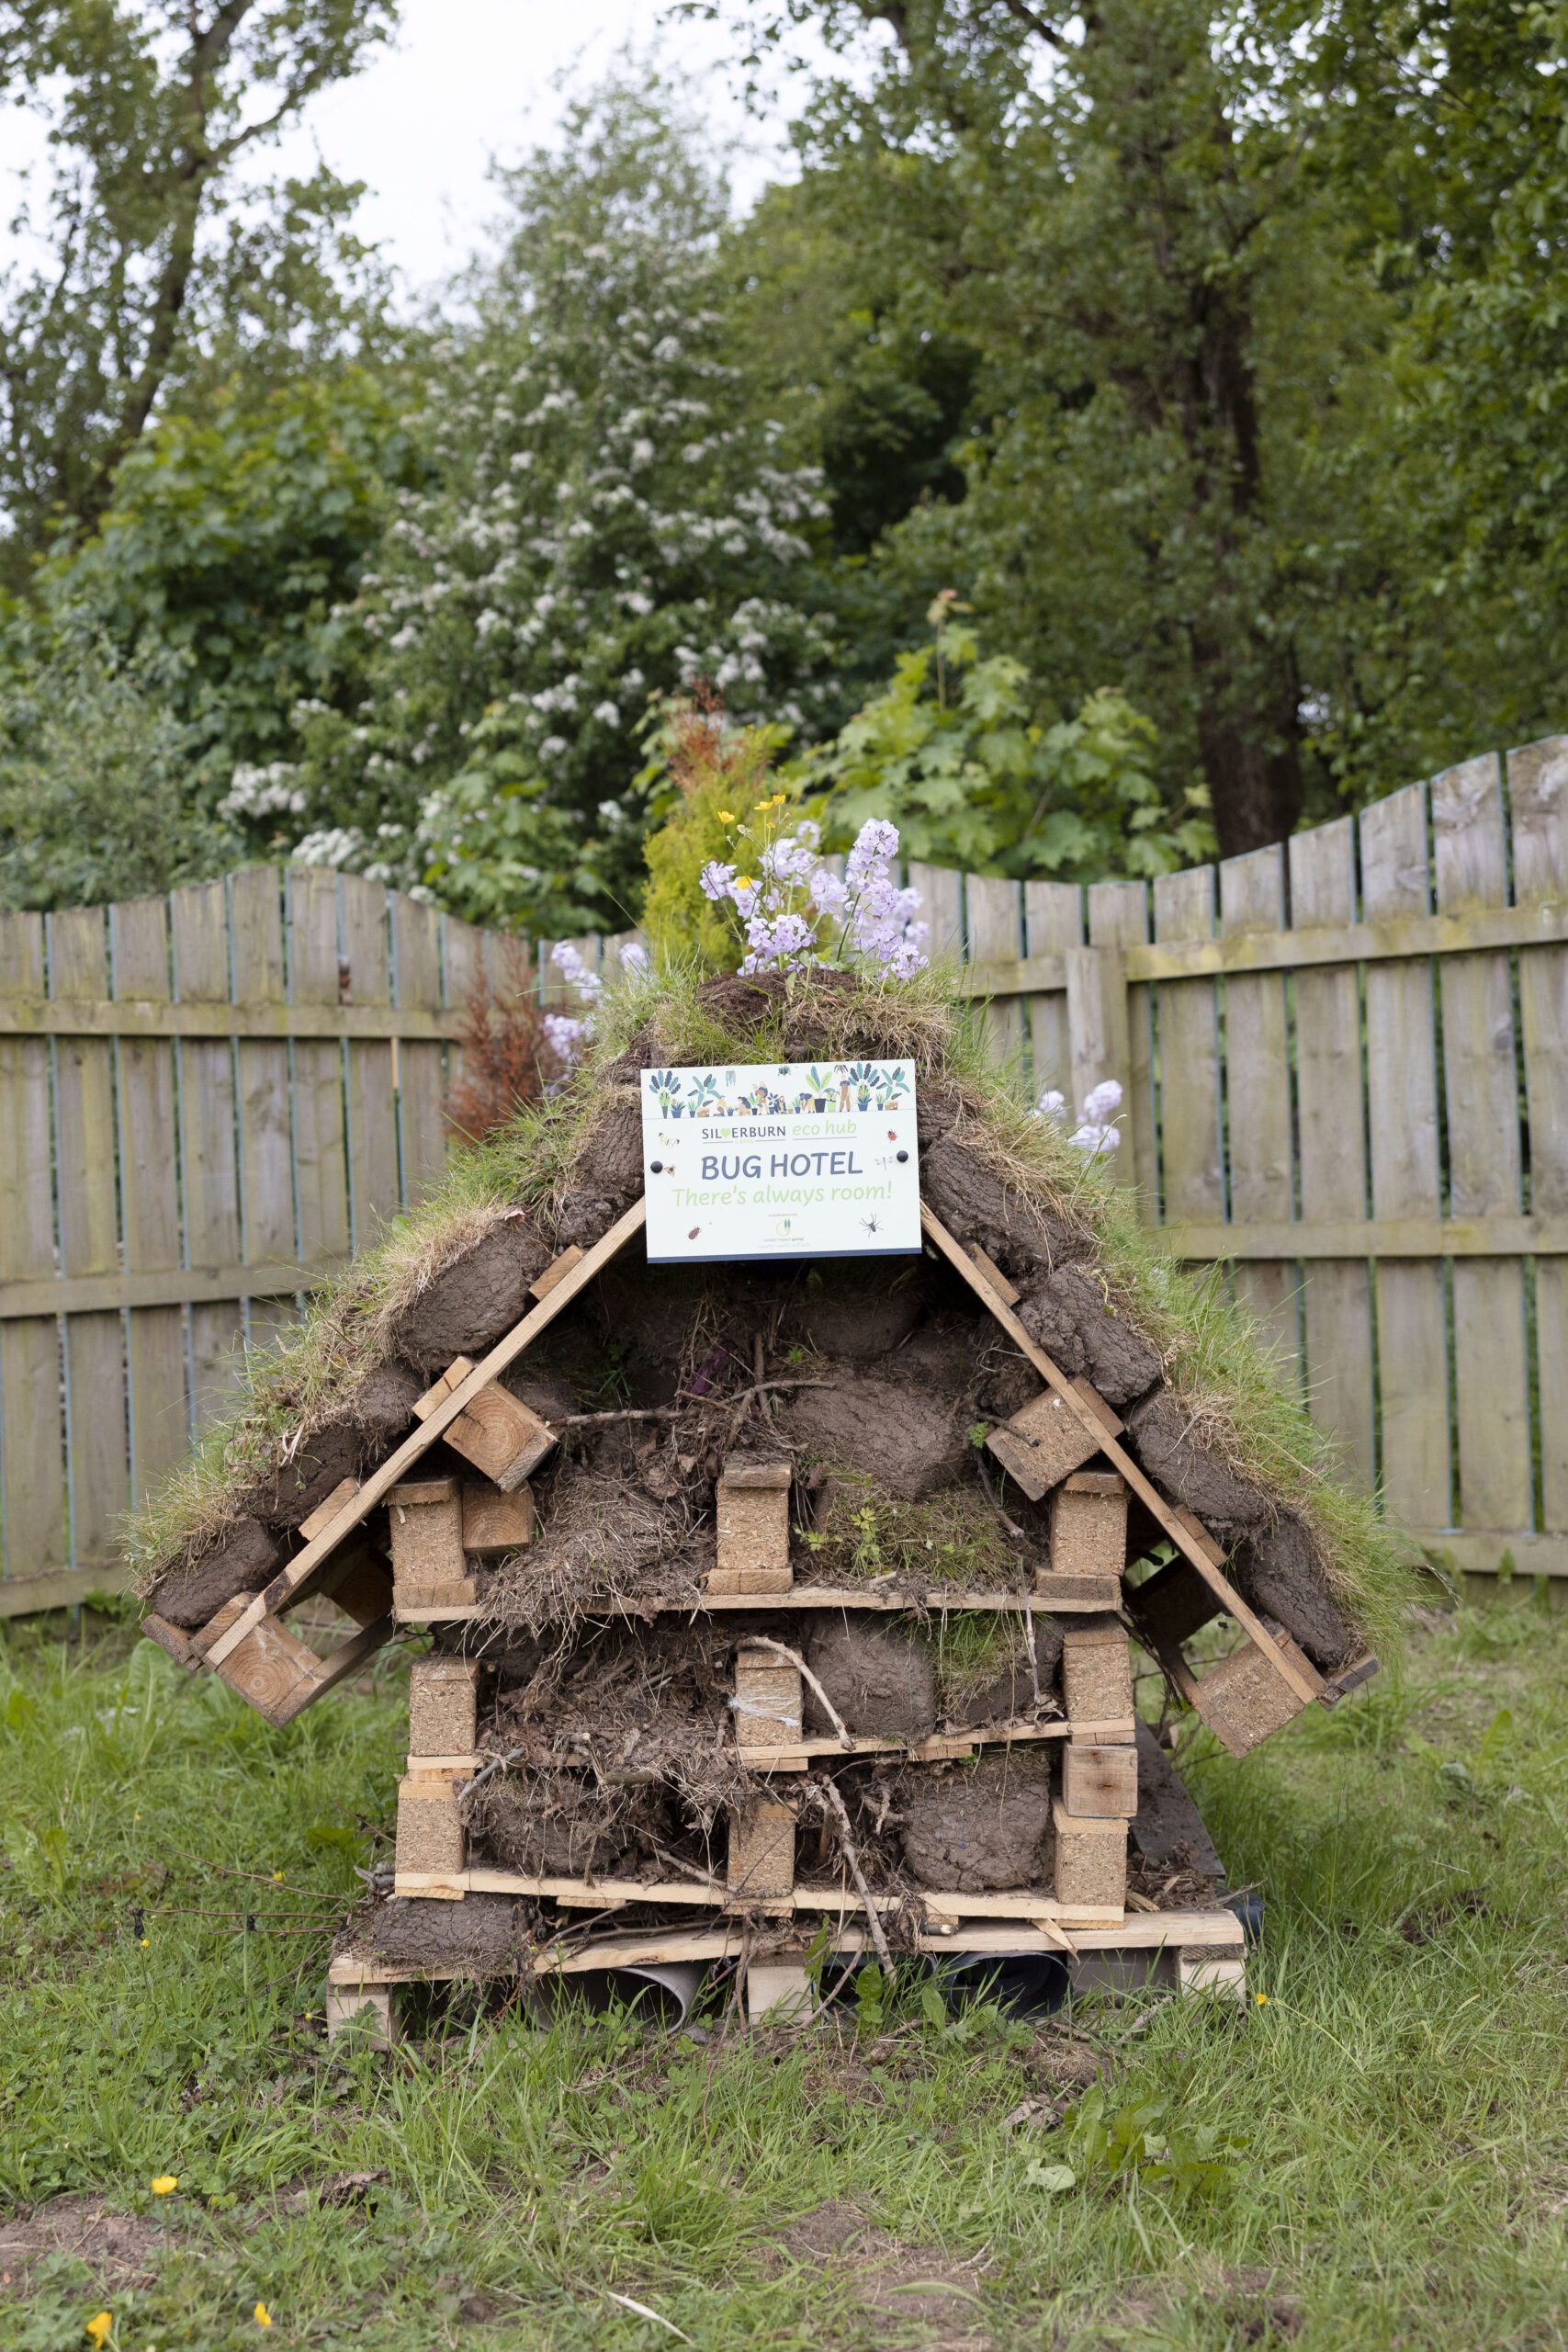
(488, 1771)
(762, 1642)
(826, 1794)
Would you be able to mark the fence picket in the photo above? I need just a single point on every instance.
(372, 1164)
(209, 1170)
(1335, 1301)
(265, 1139)
(150, 1205)
(1052, 913)
(1191, 1171)
(33, 1454)
(1258, 1101)
(1537, 798)
(416, 963)
(1119, 916)
(1482, 1092)
(996, 936)
(89, 1239)
(321, 1144)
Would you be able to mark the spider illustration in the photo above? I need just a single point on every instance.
(869, 1225)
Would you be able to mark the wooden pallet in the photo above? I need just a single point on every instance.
(1192, 1950)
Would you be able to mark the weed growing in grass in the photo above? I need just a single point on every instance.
(1393, 2167)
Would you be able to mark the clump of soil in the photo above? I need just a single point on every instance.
(879, 1678)
(484, 1933)
(973, 1827)
(468, 1308)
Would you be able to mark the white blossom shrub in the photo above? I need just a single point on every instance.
(604, 523)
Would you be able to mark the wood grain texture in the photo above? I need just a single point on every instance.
(1337, 1301)
(995, 935)
(1052, 922)
(942, 910)
(1537, 798)
(416, 967)
(1192, 1166)
(1481, 1086)
(374, 1186)
(33, 1463)
(97, 1451)
(267, 1210)
(209, 1166)
(1406, 1178)
(150, 1207)
(1257, 1102)
(1118, 917)
(320, 1148)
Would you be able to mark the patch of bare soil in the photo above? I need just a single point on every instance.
(120, 2250)
(1247, 2306)
(918, 2294)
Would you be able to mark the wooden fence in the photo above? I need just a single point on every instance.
(1346, 1065)
(205, 1102)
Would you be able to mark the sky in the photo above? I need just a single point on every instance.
(470, 79)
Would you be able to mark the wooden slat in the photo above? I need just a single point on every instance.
(1119, 918)
(1480, 1084)
(416, 963)
(1053, 922)
(996, 920)
(942, 910)
(26, 1015)
(265, 1142)
(1257, 1102)
(89, 1243)
(374, 1190)
(150, 1208)
(32, 1463)
(1192, 1167)
(1381, 1236)
(420, 1441)
(1538, 796)
(209, 1167)
(1184, 1530)
(1337, 1301)
(321, 1155)
(1403, 1125)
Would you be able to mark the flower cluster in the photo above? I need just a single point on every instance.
(568, 1033)
(1095, 1132)
(796, 910)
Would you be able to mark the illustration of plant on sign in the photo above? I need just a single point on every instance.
(819, 1087)
(863, 1076)
(701, 1094)
(666, 1085)
(889, 1090)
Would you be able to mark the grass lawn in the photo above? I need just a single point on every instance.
(1377, 2154)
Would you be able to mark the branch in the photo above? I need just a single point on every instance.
(1030, 19)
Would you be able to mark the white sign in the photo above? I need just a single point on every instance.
(781, 1160)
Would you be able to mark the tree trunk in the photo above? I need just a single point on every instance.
(1251, 760)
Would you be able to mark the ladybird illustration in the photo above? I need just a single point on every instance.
(693, 1233)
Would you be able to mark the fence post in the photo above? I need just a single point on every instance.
(1098, 1038)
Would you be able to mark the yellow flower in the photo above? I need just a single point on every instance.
(727, 816)
(98, 2326)
(779, 799)
(277, 1878)
(262, 2316)
(165, 2183)
(743, 881)
(1261, 1997)
(146, 1943)
(764, 804)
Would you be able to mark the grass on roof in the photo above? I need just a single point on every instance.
(1214, 1354)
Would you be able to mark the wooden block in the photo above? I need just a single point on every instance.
(1042, 1444)
(554, 1271)
(493, 1521)
(778, 1992)
(767, 1705)
(994, 1275)
(443, 1706)
(428, 1562)
(1101, 1783)
(752, 1507)
(173, 1639)
(321, 1518)
(1097, 1673)
(762, 1850)
(369, 2002)
(502, 1436)
(272, 1670)
(430, 1826)
(437, 1392)
(1088, 1527)
(1243, 1699)
(1090, 1859)
(1212, 1971)
(1173, 1604)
